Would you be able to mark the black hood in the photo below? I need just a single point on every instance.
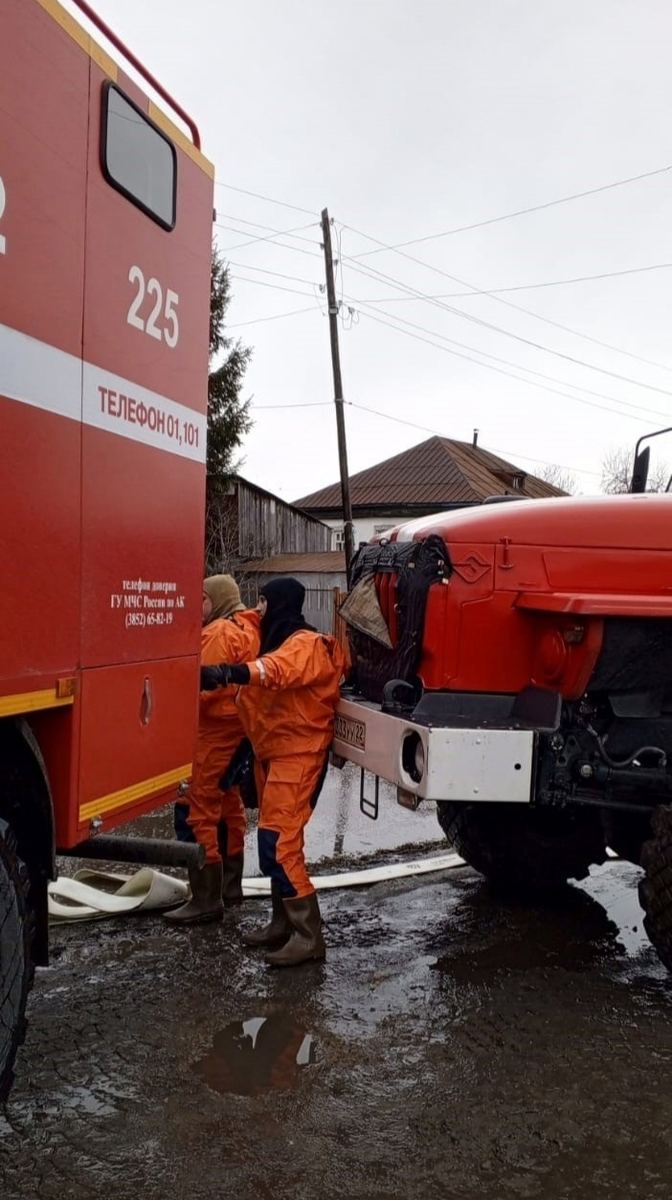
(283, 616)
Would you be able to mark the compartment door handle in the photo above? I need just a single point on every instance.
(146, 703)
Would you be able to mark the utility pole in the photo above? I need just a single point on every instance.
(338, 394)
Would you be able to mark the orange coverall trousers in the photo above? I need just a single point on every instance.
(217, 819)
(288, 789)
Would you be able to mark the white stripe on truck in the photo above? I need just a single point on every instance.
(35, 373)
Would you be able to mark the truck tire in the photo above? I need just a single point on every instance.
(655, 889)
(522, 850)
(16, 968)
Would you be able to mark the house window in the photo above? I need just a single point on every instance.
(339, 539)
(517, 483)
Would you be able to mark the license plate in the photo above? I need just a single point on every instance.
(353, 733)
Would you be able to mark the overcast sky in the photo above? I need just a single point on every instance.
(408, 120)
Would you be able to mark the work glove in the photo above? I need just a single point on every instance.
(223, 675)
(214, 677)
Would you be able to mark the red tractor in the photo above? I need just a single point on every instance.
(513, 662)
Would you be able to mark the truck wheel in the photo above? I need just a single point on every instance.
(524, 850)
(16, 968)
(655, 889)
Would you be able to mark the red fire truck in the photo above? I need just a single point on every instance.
(105, 251)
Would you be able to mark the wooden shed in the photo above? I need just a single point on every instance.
(246, 522)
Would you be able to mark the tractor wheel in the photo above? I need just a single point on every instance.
(16, 968)
(522, 850)
(625, 833)
(655, 889)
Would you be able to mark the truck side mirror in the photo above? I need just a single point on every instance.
(640, 471)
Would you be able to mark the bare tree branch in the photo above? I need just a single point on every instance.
(617, 473)
(558, 477)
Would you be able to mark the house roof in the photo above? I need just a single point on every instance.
(436, 472)
(328, 562)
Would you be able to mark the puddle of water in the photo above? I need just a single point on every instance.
(577, 931)
(262, 1054)
(614, 885)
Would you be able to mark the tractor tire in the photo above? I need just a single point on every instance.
(524, 851)
(16, 967)
(655, 889)
(625, 833)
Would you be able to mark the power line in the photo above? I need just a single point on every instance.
(587, 337)
(510, 374)
(271, 233)
(521, 212)
(421, 428)
(425, 429)
(263, 238)
(268, 228)
(649, 362)
(432, 334)
(309, 404)
(530, 287)
(474, 292)
(268, 199)
(494, 292)
(226, 250)
(415, 293)
(278, 317)
(277, 274)
(243, 220)
(277, 287)
(507, 362)
(379, 275)
(412, 294)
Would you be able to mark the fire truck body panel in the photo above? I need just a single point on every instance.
(104, 323)
(43, 135)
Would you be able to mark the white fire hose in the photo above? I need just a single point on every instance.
(94, 895)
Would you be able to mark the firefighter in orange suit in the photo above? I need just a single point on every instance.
(216, 818)
(287, 710)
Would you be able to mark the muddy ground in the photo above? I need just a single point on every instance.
(453, 1045)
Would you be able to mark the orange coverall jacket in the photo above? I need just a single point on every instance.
(289, 704)
(233, 640)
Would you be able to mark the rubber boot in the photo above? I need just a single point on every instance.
(306, 942)
(278, 930)
(206, 897)
(232, 880)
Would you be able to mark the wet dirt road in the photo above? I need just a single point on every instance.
(452, 1046)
